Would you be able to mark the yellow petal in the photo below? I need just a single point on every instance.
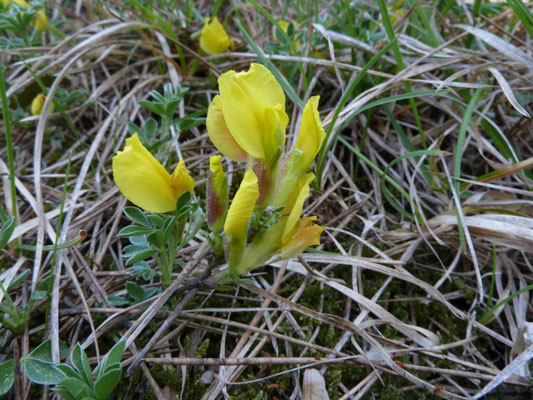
(142, 179)
(273, 135)
(296, 206)
(217, 173)
(305, 237)
(22, 3)
(220, 134)
(245, 96)
(310, 136)
(242, 206)
(214, 39)
(41, 20)
(37, 104)
(181, 181)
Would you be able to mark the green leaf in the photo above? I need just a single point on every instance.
(134, 230)
(183, 200)
(156, 238)
(140, 255)
(80, 361)
(112, 359)
(118, 301)
(76, 387)
(42, 372)
(168, 228)
(63, 392)
(188, 123)
(19, 279)
(6, 231)
(148, 274)
(106, 383)
(63, 350)
(152, 292)
(281, 37)
(156, 220)
(46, 284)
(38, 295)
(142, 268)
(43, 352)
(139, 240)
(133, 129)
(134, 248)
(155, 108)
(7, 376)
(135, 291)
(150, 129)
(136, 215)
(68, 371)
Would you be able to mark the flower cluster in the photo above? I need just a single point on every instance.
(247, 122)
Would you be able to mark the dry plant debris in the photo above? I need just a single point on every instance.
(421, 285)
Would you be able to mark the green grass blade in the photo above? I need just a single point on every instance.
(327, 144)
(523, 13)
(458, 157)
(415, 154)
(368, 162)
(399, 60)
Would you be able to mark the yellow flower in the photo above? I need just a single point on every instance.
(303, 235)
(220, 134)
(251, 107)
(299, 233)
(145, 182)
(213, 38)
(296, 204)
(41, 19)
(242, 207)
(310, 136)
(37, 104)
(396, 12)
(287, 239)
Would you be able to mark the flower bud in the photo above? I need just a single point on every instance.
(217, 195)
(214, 39)
(239, 214)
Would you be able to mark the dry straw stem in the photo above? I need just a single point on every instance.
(390, 292)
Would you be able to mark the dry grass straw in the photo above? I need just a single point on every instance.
(380, 272)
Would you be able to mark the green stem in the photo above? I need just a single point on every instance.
(10, 153)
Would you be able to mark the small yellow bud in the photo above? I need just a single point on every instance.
(37, 104)
(214, 39)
